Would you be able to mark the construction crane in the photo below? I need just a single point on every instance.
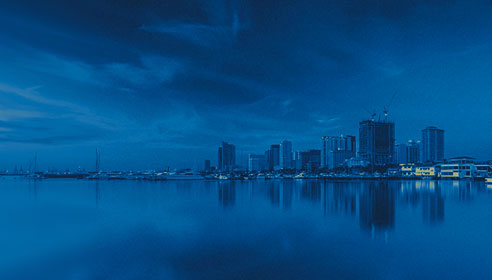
(373, 114)
(386, 108)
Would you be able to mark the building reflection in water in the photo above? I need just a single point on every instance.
(372, 203)
(227, 193)
(432, 203)
(274, 192)
(377, 207)
(410, 192)
(340, 197)
(33, 189)
(287, 193)
(464, 190)
(311, 190)
(97, 193)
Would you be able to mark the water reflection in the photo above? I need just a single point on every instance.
(433, 205)
(373, 202)
(217, 229)
(465, 191)
(377, 207)
(287, 194)
(227, 194)
(311, 190)
(340, 197)
(274, 192)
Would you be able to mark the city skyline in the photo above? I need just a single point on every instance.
(334, 151)
(252, 139)
(150, 84)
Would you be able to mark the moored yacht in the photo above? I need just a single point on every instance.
(188, 175)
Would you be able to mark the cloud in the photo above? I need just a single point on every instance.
(206, 35)
(147, 70)
(29, 117)
(154, 70)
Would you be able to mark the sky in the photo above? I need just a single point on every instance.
(153, 84)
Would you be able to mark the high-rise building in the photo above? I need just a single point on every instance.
(206, 165)
(432, 144)
(309, 160)
(285, 154)
(407, 153)
(274, 157)
(227, 157)
(400, 155)
(256, 162)
(297, 160)
(413, 151)
(336, 149)
(377, 141)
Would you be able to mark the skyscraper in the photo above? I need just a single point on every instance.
(256, 162)
(413, 151)
(309, 160)
(407, 153)
(206, 165)
(227, 157)
(285, 154)
(336, 149)
(432, 144)
(274, 157)
(377, 141)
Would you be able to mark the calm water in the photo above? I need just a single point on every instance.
(70, 229)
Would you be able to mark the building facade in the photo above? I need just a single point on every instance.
(206, 166)
(308, 161)
(377, 141)
(256, 162)
(458, 168)
(227, 157)
(407, 153)
(432, 144)
(274, 157)
(286, 154)
(336, 149)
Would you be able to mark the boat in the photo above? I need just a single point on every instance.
(300, 176)
(183, 176)
(210, 177)
(116, 175)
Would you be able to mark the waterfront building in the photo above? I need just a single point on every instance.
(308, 160)
(483, 170)
(274, 157)
(458, 168)
(400, 153)
(285, 154)
(432, 144)
(407, 169)
(356, 162)
(297, 160)
(425, 171)
(377, 141)
(335, 150)
(206, 165)
(408, 152)
(256, 162)
(227, 157)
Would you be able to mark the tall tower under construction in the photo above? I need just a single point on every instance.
(377, 141)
